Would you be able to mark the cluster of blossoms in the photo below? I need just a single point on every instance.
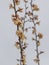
(20, 23)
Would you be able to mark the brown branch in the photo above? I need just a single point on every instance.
(19, 37)
(35, 35)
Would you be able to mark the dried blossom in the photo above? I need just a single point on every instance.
(17, 45)
(17, 2)
(24, 59)
(38, 43)
(38, 23)
(20, 10)
(34, 31)
(17, 21)
(41, 52)
(20, 34)
(29, 13)
(40, 35)
(25, 1)
(11, 6)
(35, 7)
(36, 60)
(36, 17)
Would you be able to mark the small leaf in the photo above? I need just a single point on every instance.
(25, 1)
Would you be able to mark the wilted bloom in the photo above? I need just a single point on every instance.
(35, 7)
(20, 34)
(40, 35)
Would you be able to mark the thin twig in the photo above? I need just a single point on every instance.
(35, 36)
(19, 37)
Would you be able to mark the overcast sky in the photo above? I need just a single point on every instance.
(8, 52)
